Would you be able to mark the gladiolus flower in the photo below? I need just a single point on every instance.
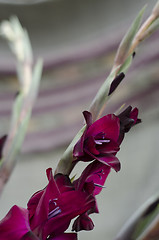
(99, 141)
(16, 225)
(91, 180)
(52, 209)
(49, 212)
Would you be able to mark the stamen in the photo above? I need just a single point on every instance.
(98, 185)
(54, 212)
(99, 142)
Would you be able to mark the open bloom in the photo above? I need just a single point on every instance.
(50, 210)
(99, 141)
(91, 180)
(15, 226)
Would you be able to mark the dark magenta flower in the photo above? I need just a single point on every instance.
(99, 141)
(52, 209)
(15, 226)
(65, 236)
(95, 173)
(91, 181)
(49, 212)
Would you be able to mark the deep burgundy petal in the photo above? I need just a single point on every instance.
(83, 222)
(111, 147)
(98, 175)
(125, 114)
(63, 182)
(90, 145)
(88, 118)
(95, 172)
(128, 118)
(109, 124)
(42, 208)
(89, 187)
(78, 148)
(71, 204)
(59, 203)
(110, 160)
(15, 224)
(30, 236)
(33, 202)
(65, 236)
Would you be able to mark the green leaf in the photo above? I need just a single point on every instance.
(16, 142)
(37, 72)
(145, 222)
(122, 63)
(101, 96)
(153, 27)
(29, 79)
(141, 220)
(156, 9)
(125, 66)
(125, 44)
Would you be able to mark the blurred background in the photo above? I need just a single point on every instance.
(77, 41)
